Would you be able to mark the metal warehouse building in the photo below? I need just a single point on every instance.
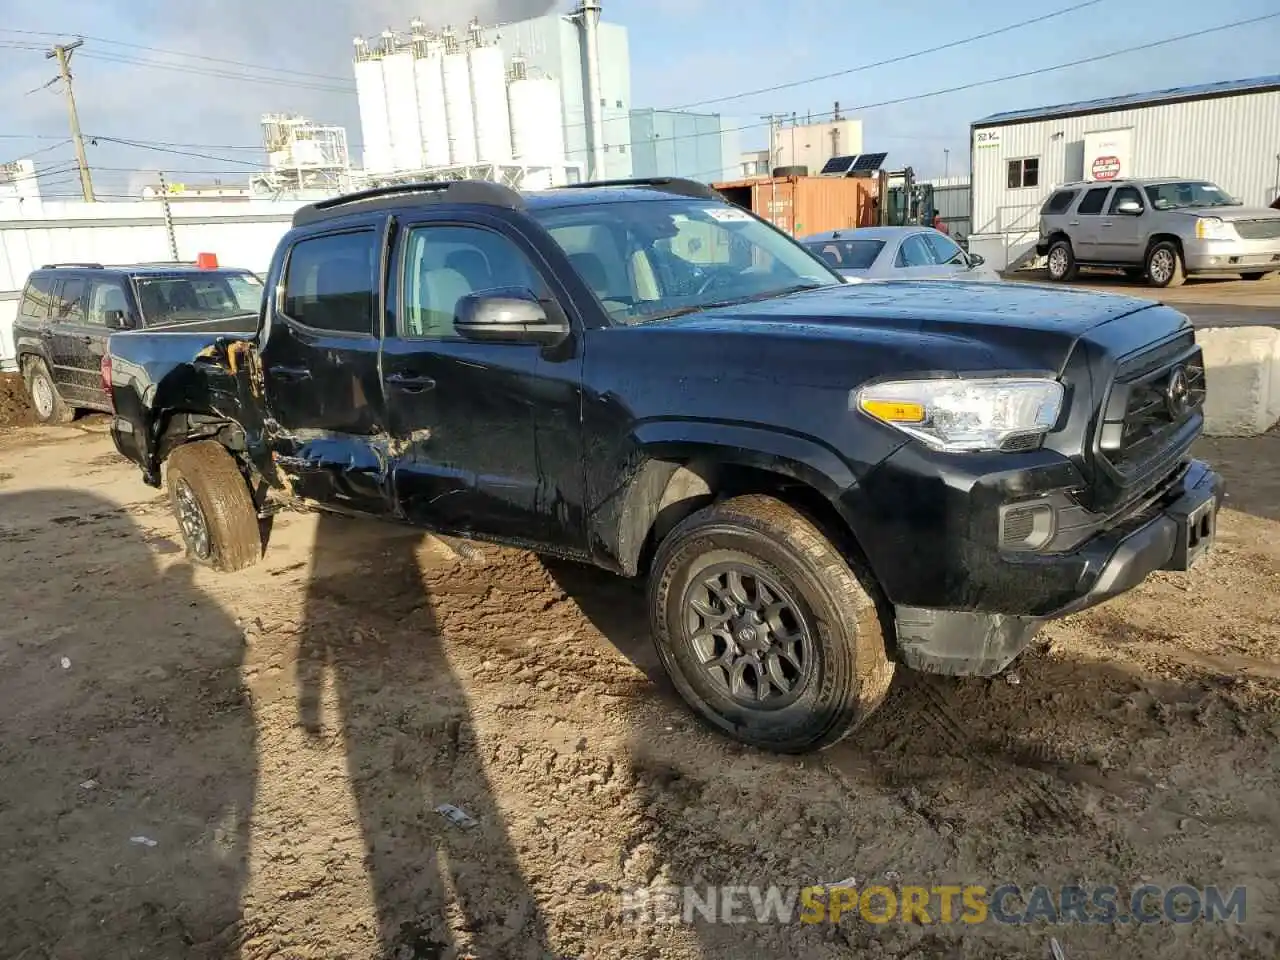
(1225, 132)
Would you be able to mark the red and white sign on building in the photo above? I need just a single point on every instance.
(1108, 154)
(1106, 168)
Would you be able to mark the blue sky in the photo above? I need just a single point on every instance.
(681, 50)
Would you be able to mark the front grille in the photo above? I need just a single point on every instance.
(1152, 413)
(1268, 229)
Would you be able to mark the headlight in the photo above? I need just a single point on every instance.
(1212, 228)
(966, 415)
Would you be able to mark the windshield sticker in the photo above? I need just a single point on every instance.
(728, 214)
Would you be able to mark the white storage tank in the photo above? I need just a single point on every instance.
(371, 96)
(402, 110)
(458, 110)
(489, 102)
(433, 119)
(537, 121)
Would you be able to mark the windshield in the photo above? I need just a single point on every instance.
(1191, 193)
(654, 259)
(847, 254)
(203, 295)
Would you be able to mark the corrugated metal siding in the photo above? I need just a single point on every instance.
(804, 205)
(241, 234)
(953, 199)
(1232, 141)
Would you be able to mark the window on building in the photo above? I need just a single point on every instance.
(331, 282)
(1024, 173)
(1059, 202)
(1093, 201)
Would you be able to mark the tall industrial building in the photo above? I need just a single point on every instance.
(533, 103)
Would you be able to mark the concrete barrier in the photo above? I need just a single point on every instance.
(1242, 370)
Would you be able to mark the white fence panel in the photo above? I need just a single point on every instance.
(239, 234)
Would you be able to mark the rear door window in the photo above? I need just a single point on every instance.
(68, 306)
(331, 282)
(1093, 201)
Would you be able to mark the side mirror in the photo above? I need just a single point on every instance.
(513, 315)
(118, 320)
(976, 259)
(1129, 208)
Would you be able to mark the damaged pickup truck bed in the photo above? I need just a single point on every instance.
(819, 480)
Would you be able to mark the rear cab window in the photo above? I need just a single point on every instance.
(195, 295)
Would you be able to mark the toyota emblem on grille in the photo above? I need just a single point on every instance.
(1177, 393)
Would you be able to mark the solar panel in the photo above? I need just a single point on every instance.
(868, 161)
(838, 166)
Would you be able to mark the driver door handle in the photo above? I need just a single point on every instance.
(290, 373)
(410, 382)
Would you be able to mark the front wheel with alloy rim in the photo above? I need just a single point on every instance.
(1062, 261)
(764, 628)
(213, 507)
(1164, 265)
(46, 402)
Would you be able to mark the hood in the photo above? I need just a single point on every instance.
(1022, 325)
(1229, 213)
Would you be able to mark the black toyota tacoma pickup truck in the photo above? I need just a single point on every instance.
(819, 480)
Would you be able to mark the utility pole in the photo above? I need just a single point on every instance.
(168, 217)
(62, 53)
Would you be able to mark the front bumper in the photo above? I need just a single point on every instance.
(971, 607)
(1231, 256)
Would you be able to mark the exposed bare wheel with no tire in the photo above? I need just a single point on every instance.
(213, 506)
(1164, 265)
(764, 628)
(1061, 261)
(46, 402)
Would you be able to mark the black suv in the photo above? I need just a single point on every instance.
(68, 311)
(819, 480)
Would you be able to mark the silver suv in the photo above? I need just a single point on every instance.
(1163, 230)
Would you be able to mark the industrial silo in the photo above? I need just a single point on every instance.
(537, 119)
(402, 104)
(457, 102)
(433, 119)
(371, 96)
(489, 104)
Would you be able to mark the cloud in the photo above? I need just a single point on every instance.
(180, 101)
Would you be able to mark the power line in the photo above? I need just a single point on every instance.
(1003, 79)
(219, 74)
(902, 58)
(180, 53)
(143, 145)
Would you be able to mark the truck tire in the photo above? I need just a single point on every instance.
(763, 627)
(211, 502)
(798, 170)
(1060, 261)
(1164, 265)
(46, 402)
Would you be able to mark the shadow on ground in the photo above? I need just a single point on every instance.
(128, 758)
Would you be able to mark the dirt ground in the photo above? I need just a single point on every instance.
(15, 409)
(205, 766)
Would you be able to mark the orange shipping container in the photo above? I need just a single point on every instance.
(804, 205)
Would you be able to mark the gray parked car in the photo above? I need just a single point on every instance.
(1163, 230)
(897, 253)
